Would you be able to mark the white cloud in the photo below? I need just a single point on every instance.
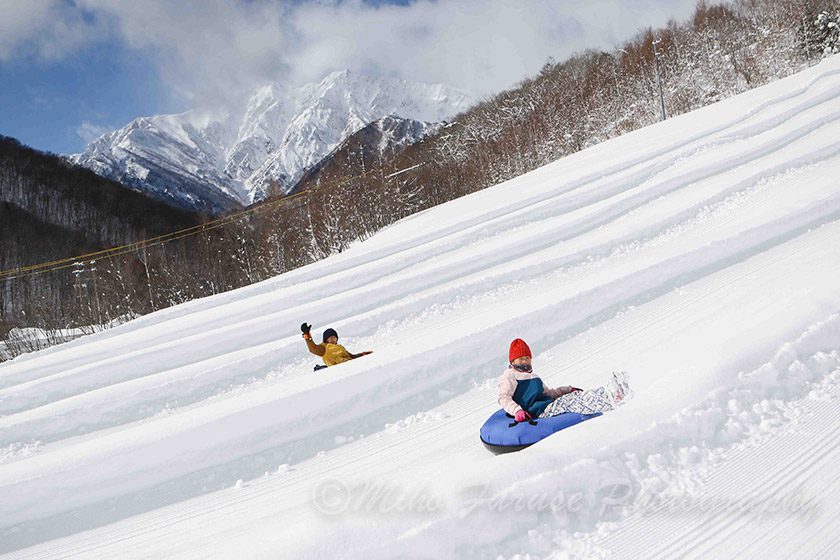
(224, 47)
(48, 29)
(483, 45)
(89, 131)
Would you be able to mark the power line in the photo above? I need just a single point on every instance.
(32, 270)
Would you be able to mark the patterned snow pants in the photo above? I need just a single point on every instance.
(590, 401)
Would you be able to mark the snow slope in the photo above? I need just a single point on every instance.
(700, 254)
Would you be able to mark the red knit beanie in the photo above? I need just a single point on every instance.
(518, 348)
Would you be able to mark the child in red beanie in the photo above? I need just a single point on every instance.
(522, 395)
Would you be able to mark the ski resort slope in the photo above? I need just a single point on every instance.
(702, 255)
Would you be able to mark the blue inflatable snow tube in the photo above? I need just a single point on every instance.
(502, 434)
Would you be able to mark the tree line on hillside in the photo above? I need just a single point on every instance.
(51, 210)
(723, 50)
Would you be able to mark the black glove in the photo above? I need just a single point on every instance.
(304, 328)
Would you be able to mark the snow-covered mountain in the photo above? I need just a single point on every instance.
(213, 160)
(372, 144)
(700, 254)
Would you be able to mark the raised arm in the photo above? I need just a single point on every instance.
(317, 349)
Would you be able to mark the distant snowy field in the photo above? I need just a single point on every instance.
(701, 254)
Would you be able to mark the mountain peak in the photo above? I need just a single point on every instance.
(338, 75)
(215, 157)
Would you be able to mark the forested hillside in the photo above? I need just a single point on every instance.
(52, 210)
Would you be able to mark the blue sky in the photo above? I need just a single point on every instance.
(60, 106)
(73, 69)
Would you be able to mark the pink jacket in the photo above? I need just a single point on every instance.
(509, 381)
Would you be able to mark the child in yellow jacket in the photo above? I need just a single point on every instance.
(332, 352)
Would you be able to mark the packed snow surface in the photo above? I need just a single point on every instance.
(701, 255)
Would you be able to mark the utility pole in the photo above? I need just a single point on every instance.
(96, 294)
(658, 79)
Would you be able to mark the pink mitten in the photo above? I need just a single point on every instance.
(521, 416)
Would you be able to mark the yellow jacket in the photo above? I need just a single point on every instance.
(331, 353)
